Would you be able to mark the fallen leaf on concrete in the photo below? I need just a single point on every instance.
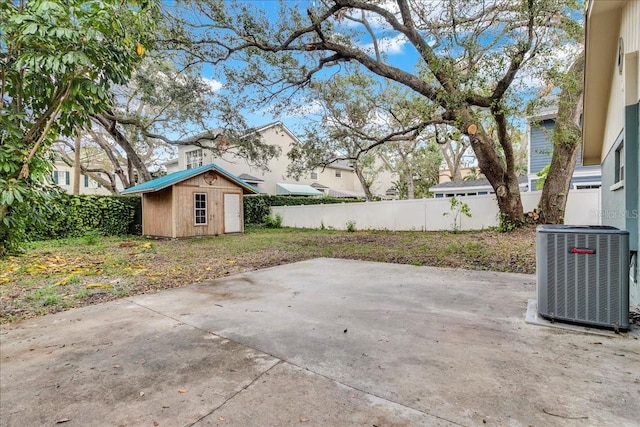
(155, 423)
(221, 418)
(116, 366)
(64, 420)
(182, 391)
(141, 393)
(304, 420)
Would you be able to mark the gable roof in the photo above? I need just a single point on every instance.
(477, 183)
(177, 177)
(249, 178)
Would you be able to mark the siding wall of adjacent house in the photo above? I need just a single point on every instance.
(63, 176)
(540, 151)
(583, 208)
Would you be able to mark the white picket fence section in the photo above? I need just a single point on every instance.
(583, 208)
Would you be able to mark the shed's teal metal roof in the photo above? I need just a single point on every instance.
(176, 177)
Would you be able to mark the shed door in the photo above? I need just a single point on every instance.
(232, 213)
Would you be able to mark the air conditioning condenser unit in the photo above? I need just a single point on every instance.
(582, 274)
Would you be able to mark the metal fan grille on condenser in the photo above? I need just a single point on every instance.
(582, 275)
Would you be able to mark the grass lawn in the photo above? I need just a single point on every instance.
(61, 274)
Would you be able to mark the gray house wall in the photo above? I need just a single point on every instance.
(540, 150)
(620, 204)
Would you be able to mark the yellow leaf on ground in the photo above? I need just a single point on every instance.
(98, 286)
(65, 280)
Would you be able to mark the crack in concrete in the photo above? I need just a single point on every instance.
(280, 361)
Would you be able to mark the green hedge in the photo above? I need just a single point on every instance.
(73, 216)
(256, 207)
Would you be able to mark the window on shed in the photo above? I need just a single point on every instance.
(194, 158)
(200, 208)
(314, 174)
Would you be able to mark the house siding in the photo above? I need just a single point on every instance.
(540, 150)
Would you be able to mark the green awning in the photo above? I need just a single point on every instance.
(296, 190)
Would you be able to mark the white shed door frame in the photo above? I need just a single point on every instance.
(232, 215)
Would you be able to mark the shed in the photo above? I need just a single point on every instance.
(203, 201)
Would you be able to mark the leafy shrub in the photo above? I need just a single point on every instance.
(457, 208)
(74, 216)
(271, 221)
(351, 226)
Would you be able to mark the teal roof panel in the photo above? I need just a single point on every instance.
(177, 177)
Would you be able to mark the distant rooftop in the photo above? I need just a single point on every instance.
(473, 183)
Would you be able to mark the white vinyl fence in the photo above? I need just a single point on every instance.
(583, 208)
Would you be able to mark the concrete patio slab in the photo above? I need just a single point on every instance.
(319, 342)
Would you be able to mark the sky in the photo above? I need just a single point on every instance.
(396, 48)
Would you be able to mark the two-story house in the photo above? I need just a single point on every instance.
(337, 179)
(540, 146)
(63, 176)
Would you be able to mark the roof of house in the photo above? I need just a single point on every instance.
(249, 178)
(177, 177)
(547, 108)
(345, 194)
(340, 164)
(477, 183)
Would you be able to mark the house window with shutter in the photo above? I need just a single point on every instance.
(200, 208)
(338, 174)
(61, 177)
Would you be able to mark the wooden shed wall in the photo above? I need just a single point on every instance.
(184, 201)
(156, 213)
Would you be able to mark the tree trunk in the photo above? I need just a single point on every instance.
(363, 182)
(556, 186)
(76, 165)
(4, 248)
(566, 140)
(503, 179)
(110, 126)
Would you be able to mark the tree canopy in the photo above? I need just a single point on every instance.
(59, 60)
(472, 58)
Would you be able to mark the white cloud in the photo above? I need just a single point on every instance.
(392, 46)
(213, 84)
